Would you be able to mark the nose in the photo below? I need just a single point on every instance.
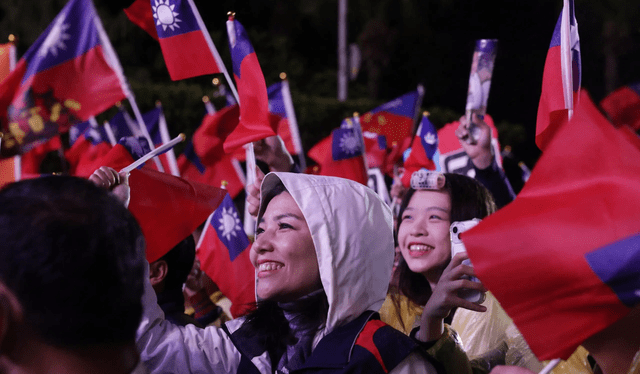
(262, 243)
(419, 227)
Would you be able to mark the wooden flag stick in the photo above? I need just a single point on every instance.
(163, 148)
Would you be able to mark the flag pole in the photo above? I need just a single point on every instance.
(164, 135)
(114, 63)
(566, 58)
(293, 122)
(212, 48)
(163, 148)
(208, 105)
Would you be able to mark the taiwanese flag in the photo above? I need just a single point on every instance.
(394, 119)
(225, 169)
(64, 78)
(561, 78)
(223, 251)
(563, 258)
(281, 105)
(623, 106)
(208, 139)
(254, 123)
(340, 155)
(169, 208)
(423, 150)
(186, 45)
(92, 145)
(123, 154)
(375, 147)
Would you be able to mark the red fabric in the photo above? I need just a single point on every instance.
(60, 104)
(188, 55)
(393, 126)
(223, 170)
(84, 157)
(623, 107)
(376, 157)
(140, 13)
(255, 123)
(214, 129)
(582, 195)
(169, 208)
(365, 340)
(5, 59)
(351, 168)
(7, 171)
(30, 161)
(235, 278)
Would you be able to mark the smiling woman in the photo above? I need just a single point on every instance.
(323, 256)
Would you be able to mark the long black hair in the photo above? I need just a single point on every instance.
(469, 199)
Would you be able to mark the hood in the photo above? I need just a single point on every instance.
(352, 232)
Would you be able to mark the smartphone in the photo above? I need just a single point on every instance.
(457, 246)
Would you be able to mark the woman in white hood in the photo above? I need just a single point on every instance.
(323, 255)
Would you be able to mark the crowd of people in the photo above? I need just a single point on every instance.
(78, 296)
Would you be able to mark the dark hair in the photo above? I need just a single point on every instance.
(179, 263)
(469, 199)
(74, 257)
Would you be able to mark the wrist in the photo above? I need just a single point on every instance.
(430, 329)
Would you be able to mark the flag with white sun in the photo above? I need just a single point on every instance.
(346, 143)
(227, 225)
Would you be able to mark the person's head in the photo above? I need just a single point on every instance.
(71, 266)
(170, 271)
(423, 229)
(283, 252)
(318, 232)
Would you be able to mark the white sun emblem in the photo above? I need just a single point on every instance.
(430, 138)
(165, 16)
(56, 38)
(229, 223)
(349, 143)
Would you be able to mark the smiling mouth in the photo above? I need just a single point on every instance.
(267, 267)
(417, 250)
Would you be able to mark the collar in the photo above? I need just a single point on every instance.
(334, 350)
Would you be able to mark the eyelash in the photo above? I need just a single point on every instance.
(281, 225)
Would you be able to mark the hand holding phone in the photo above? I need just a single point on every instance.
(457, 246)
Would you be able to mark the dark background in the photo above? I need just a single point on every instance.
(403, 43)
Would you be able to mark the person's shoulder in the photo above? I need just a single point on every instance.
(386, 344)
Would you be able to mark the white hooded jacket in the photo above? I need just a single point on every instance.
(352, 233)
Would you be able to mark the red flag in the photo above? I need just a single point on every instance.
(64, 78)
(561, 78)
(86, 153)
(211, 134)
(169, 208)
(423, 150)
(394, 119)
(623, 106)
(186, 45)
(563, 258)
(226, 169)
(252, 89)
(223, 251)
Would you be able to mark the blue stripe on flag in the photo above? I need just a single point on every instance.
(618, 265)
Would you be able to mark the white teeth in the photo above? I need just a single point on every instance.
(419, 247)
(268, 266)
